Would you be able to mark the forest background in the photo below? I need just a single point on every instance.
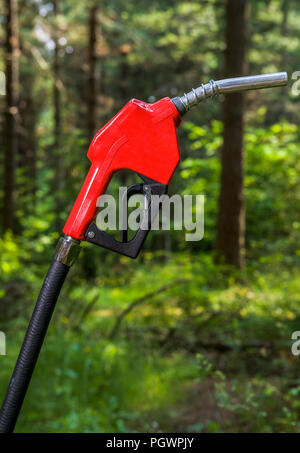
(191, 336)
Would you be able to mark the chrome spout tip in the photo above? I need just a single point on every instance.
(227, 86)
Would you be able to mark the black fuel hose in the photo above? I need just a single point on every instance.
(34, 337)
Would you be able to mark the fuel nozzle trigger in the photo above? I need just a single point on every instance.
(132, 247)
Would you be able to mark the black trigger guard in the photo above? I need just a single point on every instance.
(129, 248)
(135, 189)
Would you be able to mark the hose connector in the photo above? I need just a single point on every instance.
(67, 250)
(225, 86)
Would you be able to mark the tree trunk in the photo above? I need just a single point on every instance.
(11, 114)
(56, 71)
(92, 60)
(27, 159)
(58, 180)
(285, 12)
(231, 220)
(285, 9)
(88, 260)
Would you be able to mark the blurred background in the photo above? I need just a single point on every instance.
(191, 336)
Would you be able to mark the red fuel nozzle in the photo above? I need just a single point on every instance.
(142, 137)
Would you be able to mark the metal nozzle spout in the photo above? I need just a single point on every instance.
(225, 86)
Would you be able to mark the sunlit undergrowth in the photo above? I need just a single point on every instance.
(196, 337)
(86, 385)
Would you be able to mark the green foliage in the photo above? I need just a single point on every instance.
(146, 376)
(205, 348)
(94, 385)
(271, 182)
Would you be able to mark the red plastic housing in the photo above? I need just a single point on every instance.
(141, 137)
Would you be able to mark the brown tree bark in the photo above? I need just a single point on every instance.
(285, 6)
(56, 87)
(92, 79)
(230, 244)
(27, 152)
(285, 9)
(58, 180)
(11, 114)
